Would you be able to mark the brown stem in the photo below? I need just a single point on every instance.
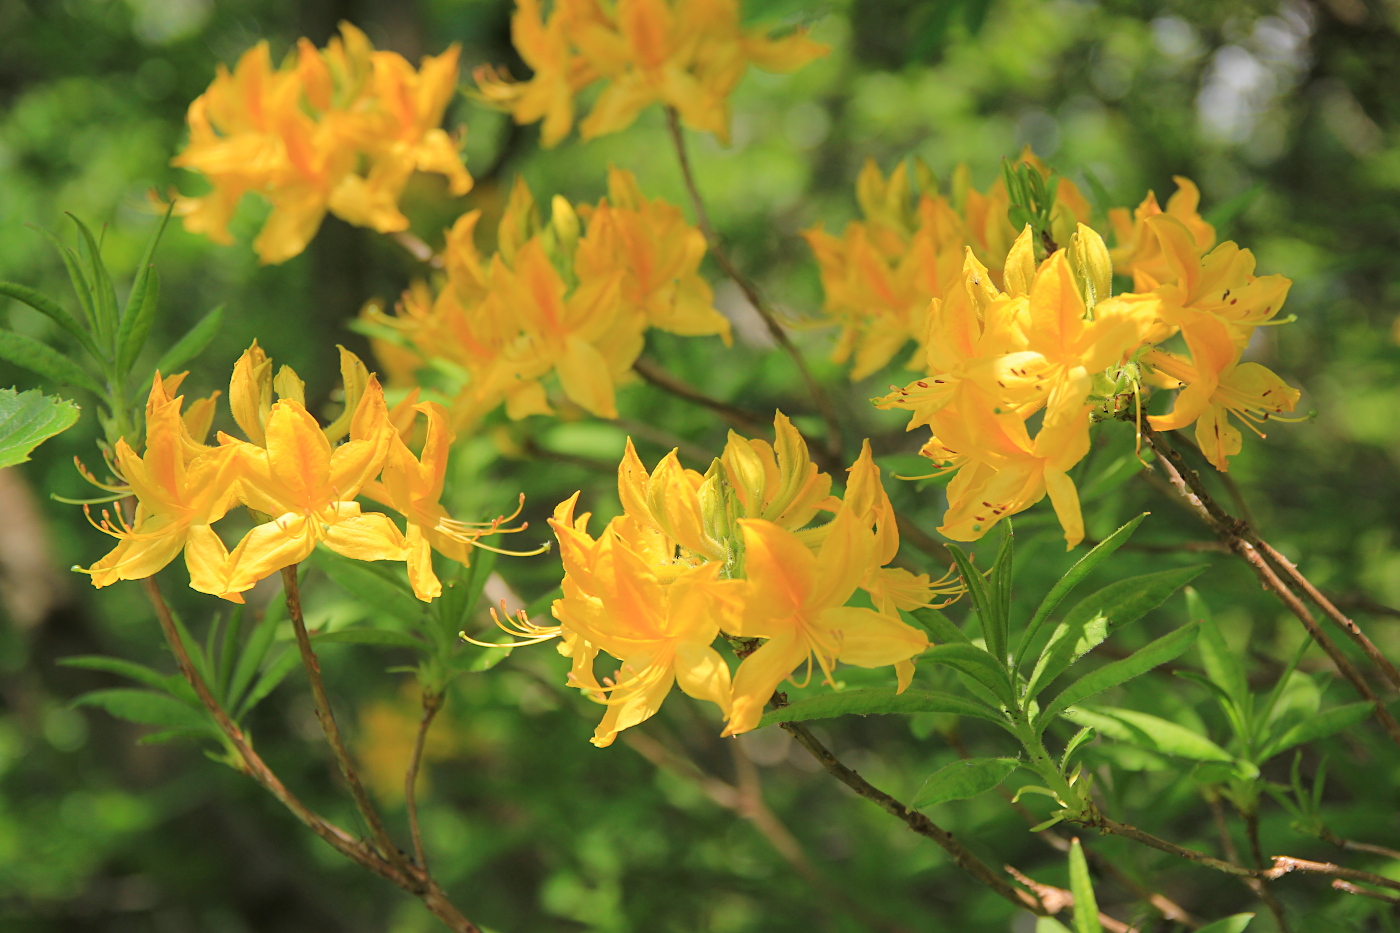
(1349, 888)
(432, 703)
(770, 320)
(414, 881)
(1057, 899)
(1112, 827)
(418, 249)
(656, 376)
(328, 724)
(1355, 846)
(915, 820)
(1283, 864)
(1237, 536)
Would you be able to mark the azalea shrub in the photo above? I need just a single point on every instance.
(953, 521)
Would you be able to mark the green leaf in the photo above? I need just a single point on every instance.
(27, 419)
(192, 344)
(1049, 924)
(254, 653)
(373, 636)
(52, 309)
(963, 780)
(128, 669)
(474, 659)
(977, 664)
(1096, 616)
(866, 702)
(1000, 591)
(136, 322)
(1136, 664)
(44, 360)
(228, 651)
(1235, 924)
(942, 628)
(276, 672)
(1070, 580)
(137, 296)
(982, 600)
(372, 586)
(1072, 746)
(1086, 906)
(81, 287)
(1224, 666)
(149, 708)
(1147, 731)
(1320, 726)
(104, 292)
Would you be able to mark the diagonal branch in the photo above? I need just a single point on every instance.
(432, 703)
(770, 320)
(328, 724)
(1240, 538)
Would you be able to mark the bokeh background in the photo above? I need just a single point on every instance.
(1286, 115)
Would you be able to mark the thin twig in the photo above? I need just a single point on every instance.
(432, 703)
(661, 379)
(1114, 828)
(1355, 846)
(418, 249)
(702, 218)
(1283, 864)
(915, 820)
(326, 717)
(414, 881)
(1237, 536)
(1057, 899)
(1349, 888)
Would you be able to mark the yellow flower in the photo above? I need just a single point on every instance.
(686, 54)
(624, 596)
(797, 601)
(309, 489)
(412, 486)
(178, 497)
(1138, 250)
(297, 135)
(777, 483)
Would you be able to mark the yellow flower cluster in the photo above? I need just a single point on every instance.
(732, 551)
(573, 297)
(1048, 340)
(881, 273)
(685, 54)
(294, 477)
(339, 129)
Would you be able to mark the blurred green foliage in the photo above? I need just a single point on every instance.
(1284, 113)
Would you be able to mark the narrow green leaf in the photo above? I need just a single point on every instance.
(137, 296)
(228, 651)
(148, 708)
(1000, 592)
(192, 344)
(942, 628)
(1086, 906)
(54, 311)
(1080, 738)
(1223, 666)
(1320, 726)
(1235, 924)
(81, 287)
(128, 669)
(254, 653)
(1096, 616)
(104, 292)
(373, 636)
(474, 659)
(1049, 924)
(978, 592)
(1147, 731)
(27, 419)
(867, 702)
(1136, 664)
(963, 780)
(373, 586)
(44, 360)
(276, 672)
(1070, 580)
(977, 664)
(136, 323)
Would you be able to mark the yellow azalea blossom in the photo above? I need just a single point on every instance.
(890, 588)
(684, 54)
(1218, 385)
(1138, 250)
(796, 600)
(658, 255)
(412, 486)
(777, 482)
(178, 498)
(299, 136)
(309, 488)
(667, 501)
